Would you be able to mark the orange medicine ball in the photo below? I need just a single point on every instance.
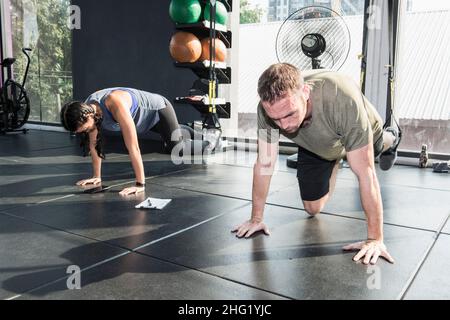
(221, 50)
(185, 47)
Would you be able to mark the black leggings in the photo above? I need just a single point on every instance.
(168, 125)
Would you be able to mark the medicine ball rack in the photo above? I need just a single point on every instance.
(201, 69)
(201, 29)
(218, 72)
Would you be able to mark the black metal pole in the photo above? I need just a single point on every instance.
(367, 4)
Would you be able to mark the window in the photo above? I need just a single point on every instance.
(42, 26)
(422, 96)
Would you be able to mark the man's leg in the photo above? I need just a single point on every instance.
(316, 206)
(391, 140)
(316, 178)
(388, 140)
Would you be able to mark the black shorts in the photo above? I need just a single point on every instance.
(314, 172)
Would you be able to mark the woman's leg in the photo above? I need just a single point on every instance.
(168, 125)
(169, 129)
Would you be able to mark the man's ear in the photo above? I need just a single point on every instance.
(306, 91)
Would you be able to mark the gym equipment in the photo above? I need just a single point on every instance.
(313, 37)
(14, 101)
(211, 70)
(185, 11)
(423, 159)
(185, 47)
(220, 50)
(392, 27)
(441, 167)
(221, 13)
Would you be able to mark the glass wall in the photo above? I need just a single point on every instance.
(42, 26)
(423, 76)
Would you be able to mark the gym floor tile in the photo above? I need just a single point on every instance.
(398, 175)
(13, 171)
(303, 257)
(43, 140)
(433, 279)
(110, 217)
(26, 184)
(23, 184)
(222, 180)
(56, 156)
(405, 206)
(83, 169)
(17, 143)
(135, 276)
(247, 159)
(447, 228)
(46, 156)
(120, 166)
(186, 251)
(115, 166)
(38, 189)
(407, 176)
(33, 255)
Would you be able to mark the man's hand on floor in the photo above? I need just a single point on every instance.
(370, 250)
(250, 227)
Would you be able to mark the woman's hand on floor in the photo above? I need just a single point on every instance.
(131, 190)
(85, 182)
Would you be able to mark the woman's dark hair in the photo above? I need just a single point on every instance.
(75, 114)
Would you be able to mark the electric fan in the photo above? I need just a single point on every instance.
(313, 37)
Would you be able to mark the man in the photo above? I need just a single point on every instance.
(326, 114)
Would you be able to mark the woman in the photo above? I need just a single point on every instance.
(130, 111)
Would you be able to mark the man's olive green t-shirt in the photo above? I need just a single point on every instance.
(343, 119)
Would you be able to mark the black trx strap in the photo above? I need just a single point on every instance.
(363, 56)
(2, 76)
(393, 11)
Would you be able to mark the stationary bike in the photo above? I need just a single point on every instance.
(14, 101)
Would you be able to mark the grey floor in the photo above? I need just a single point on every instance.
(187, 251)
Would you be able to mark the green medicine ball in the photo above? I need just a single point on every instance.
(185, 11)
(221, 13)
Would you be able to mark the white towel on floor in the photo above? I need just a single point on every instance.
(153, 203)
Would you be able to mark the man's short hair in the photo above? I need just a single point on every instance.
(278, 80)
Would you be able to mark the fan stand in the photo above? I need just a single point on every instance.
(316, 63)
